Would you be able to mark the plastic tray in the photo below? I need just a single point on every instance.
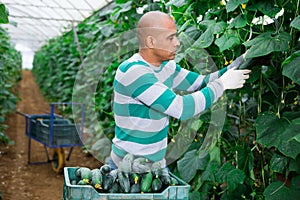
(87, 192)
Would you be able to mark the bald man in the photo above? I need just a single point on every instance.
(143, 91)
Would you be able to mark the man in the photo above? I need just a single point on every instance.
(143, 91)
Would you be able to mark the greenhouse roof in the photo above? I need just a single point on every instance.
(33, 22)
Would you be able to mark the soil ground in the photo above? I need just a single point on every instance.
(18, 179)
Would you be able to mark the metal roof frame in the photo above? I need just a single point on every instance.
(33, 22)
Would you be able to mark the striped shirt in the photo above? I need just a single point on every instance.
(144, 98)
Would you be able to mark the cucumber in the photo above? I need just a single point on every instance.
(105, 169)
(114, 188)
(146, 182)
(156, 169)
(82, 182)
(156, 185)
(96, 179)
(124, 181)
(135, 178)
(126, 163)
(140, 165)
(135, 188)
(85, 173)
(114, 174)
(174, 181)
(107, 182)
(165, 177)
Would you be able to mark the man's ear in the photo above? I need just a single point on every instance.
(150, 42)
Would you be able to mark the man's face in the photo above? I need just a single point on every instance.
(167, 42)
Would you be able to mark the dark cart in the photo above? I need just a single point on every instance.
(55, 132)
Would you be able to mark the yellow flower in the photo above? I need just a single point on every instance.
(296, 102)
(195, 140)
(221, 3)
(173, 140)
(244, 6)
(86, 180)
(230, 61)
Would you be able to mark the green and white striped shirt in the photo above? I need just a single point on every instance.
(144, 99)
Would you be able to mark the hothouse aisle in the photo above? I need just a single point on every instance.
(22, 181)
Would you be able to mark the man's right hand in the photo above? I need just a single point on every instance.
(234, 78)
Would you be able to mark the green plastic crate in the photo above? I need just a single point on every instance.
(87, 192)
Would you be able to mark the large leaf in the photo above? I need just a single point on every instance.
(3, 14)
(228, 40)
(278, 163)
(245, 160)
(296, 23)
(230, 175)
(239, 22)
(267, 43)
(233, 4)
(291, 67)
(210, 172)
(234, 179)
(269, 128)
(206, 39)
(288, 145)
(191, 162)
(267, 7)
(278, 191)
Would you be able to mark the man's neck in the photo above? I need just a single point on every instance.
(149, 58)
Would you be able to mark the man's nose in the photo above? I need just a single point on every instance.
(177, 42)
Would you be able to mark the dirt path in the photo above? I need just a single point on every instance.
(18, 180)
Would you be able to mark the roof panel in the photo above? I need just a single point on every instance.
(39, 20)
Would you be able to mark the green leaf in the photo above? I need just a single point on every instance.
(268, 8)
(3, 14)
(195, 195)
(276, 191)
(239, 22)
(191, 162)
(230, 175)
(233, 4)
(219, 27)
(291, 67)
(294, 165)
(228, 40)
(209, 172)
(289, 146)
(267, 43)
(178, 3)
(245, 160)
(206, 39)
(234, 179)
(296, 22)
(221, 175)
(268, 128)
(278, 163)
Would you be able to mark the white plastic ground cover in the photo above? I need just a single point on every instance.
(32, 22)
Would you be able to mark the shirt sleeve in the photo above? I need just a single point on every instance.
(140, 83)
(185, 80)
